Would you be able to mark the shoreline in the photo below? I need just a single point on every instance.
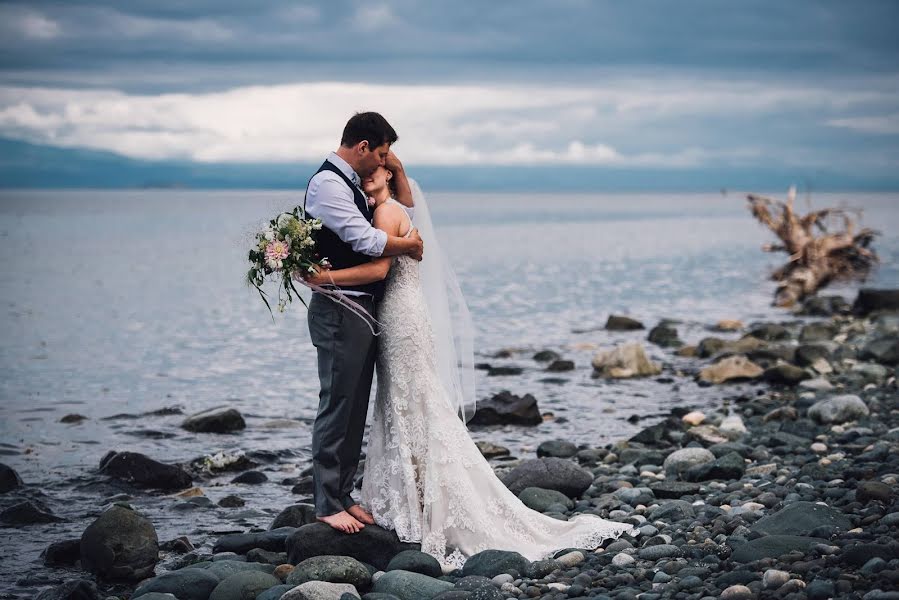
(758, 464)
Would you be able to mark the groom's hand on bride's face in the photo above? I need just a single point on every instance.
(392, 162)
(418, 251)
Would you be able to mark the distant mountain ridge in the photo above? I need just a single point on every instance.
(25, 165)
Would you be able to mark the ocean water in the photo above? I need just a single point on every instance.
(124, 302)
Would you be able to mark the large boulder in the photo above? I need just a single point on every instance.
(9, 479)
(143, 471)
(549, 473)
(274, 540)
(506, 408)
(873, 300)
(120, 544)
(245, 585)
(491, 563)
(681, 460)
(801, 518)
(731, 368)
(185, 584)
(625, 361)
(27, 513)
(416, 562)
(372, 545)
(334, 569)
(838, 409)
(215, 420)
(622, 323)
(407, 585)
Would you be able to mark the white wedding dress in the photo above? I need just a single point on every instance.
(424, 476)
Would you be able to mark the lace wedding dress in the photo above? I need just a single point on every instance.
(424, 476)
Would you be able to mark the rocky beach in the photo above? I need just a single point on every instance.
(786, 488)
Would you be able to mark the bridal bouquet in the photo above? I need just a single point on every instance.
(284, 249)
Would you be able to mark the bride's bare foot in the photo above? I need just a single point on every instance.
(361, 514)
(342, 521)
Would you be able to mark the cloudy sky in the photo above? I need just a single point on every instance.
(706, 88)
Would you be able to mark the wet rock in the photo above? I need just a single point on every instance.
(258, 555)
(557, 448)
(540, 499)
(246, 585)
(622, 323)
(274, 540)
(825, 306)
(231, 501)
(27, 513)
(634, 496)
(185, 584)
(859, 554)
(143, 471)
(711, 346)
(873, 491)
(504, 371)
(770, 332)
(295, 515)
(372, 545)
(415, 562)
(774, 578)
(223, 567)
(120, 544)
(72, 419)
(76, 589)
(215, 420)
(802, 518)
(731, 368)
(250, 478)
(818, 332)
(838, 409)
(733, 427)
(549, 473)
(809, 354)
(871, 300)
(820, 589)
(729, 466)
(658, 551)
(62, 554)
(672, 510)
(507, 409)
(321, 590)
(330, 568)
(491, 450)
(9, 479)
(491, 563)
(410, 586)
(658, 433)
(560, 366)
(664, 335)
(773, 546)
(884, 350)
(674, 489)
(303, 485)
(681, 460)
(624, 362)
(728, 325)
(547, 356)
(737, 592)
(785, 374)
(275, 593)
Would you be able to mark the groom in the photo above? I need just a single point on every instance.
(346, 346)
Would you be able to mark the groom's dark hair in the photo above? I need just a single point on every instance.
(370, 127)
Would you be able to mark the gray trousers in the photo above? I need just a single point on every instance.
(346, 362)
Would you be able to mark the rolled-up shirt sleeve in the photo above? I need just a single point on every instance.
(332, 201)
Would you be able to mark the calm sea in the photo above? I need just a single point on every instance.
(131, 301)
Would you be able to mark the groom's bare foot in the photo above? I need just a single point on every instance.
(361, 514)
(342, 521)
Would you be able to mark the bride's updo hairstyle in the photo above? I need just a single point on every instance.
(370, 127)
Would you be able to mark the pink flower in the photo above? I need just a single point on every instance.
(276, 252)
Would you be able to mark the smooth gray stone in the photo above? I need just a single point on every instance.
(657, 552)
(120, 544)
(416, 562)
(76, 589)
(246, 585)
(295, 515)
(223, 569)
(551, 473)
(274, 540)
(410, 586)
(540, 499)
(275, 593)
(773, 546)
(333, 569)
(321, 590)
(185, 584)
(801, 518)
(215, 420)
(491, 563)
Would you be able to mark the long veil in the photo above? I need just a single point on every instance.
(450, 319)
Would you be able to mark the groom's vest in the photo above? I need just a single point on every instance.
(339, 253)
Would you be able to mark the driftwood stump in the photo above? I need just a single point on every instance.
(823, 246)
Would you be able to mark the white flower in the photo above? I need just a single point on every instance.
(284, 219)
(268, 234)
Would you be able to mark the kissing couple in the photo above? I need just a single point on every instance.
(424, 477)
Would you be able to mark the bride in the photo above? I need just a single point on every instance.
(424, 476)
